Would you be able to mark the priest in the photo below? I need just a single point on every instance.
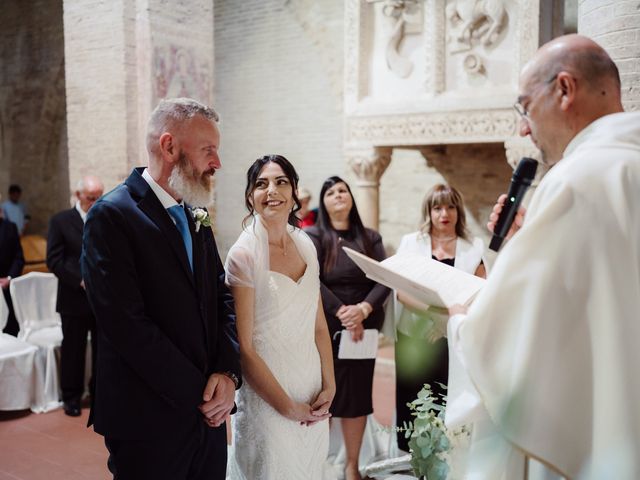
(545, 361)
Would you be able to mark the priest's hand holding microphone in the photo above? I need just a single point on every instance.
(507, 215)
(495, 213)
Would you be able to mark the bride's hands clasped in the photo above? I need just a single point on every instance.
(303, 413)
(323, 401)
(316, 412)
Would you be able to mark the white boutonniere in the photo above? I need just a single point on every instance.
(201, 217)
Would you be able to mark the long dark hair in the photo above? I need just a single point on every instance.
(252, 178)
(329, 236)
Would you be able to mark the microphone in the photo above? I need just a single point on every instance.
(520, 182)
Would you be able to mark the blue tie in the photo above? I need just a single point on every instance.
(180, 216)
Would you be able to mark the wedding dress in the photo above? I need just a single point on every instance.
(265, 444)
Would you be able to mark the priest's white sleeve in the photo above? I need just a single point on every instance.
(490, 456)
(464, 405)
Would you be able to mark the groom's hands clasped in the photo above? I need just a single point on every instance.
(218, 396)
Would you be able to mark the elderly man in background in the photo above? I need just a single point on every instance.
(11, 264)
(64, 246)
(550, 344)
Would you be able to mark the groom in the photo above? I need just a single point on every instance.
(168, 361)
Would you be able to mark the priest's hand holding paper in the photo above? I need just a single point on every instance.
(418, 307)
(457, 309)
(431, 319)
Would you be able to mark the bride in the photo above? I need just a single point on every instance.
(280, 430)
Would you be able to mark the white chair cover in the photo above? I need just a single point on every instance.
(17, 374)
(4, 312)
(34, 300)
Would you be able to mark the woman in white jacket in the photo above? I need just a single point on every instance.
(421, 346)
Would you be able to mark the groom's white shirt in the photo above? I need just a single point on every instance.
(166, 200)
(545, 363)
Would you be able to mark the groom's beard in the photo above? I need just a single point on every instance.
(195, 189)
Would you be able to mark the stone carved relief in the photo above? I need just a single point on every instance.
(480, 20)
(364, 127)
(473, 23)
(433, 128)
(529, 38)
(435, 47)
(407, 18)
(358, 28)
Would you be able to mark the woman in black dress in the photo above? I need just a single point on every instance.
(352, 303)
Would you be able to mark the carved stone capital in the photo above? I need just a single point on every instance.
(369, 164)
(518, 147)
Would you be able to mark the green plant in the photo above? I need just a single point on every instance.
(429, 440)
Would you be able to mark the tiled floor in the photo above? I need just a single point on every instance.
(52, 446)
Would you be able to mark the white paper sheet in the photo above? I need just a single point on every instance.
(365, 348)
(425, 279)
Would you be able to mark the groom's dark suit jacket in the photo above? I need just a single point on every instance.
(161, 329)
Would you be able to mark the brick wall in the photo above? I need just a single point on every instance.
(122, 58)
(33, 149)
(98, 107)
(276, 65)
(615, 24)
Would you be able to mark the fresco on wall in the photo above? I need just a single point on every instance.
(178, 73)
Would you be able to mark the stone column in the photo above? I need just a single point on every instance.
(615, 25)
(99, 104)
(369, 165)
(121, 58)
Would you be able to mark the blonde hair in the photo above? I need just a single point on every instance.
(441, 194)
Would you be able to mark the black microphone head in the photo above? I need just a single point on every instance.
(520, 181)
(526, 170)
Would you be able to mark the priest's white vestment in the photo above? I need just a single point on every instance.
(546, 361)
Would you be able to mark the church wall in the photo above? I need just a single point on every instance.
(97, 41)
(615, 25)
(33, 143)
(278, 89)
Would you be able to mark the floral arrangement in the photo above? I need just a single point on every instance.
(430, 441)
(201, 217)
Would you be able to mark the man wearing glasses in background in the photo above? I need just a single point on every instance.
(64, 246)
